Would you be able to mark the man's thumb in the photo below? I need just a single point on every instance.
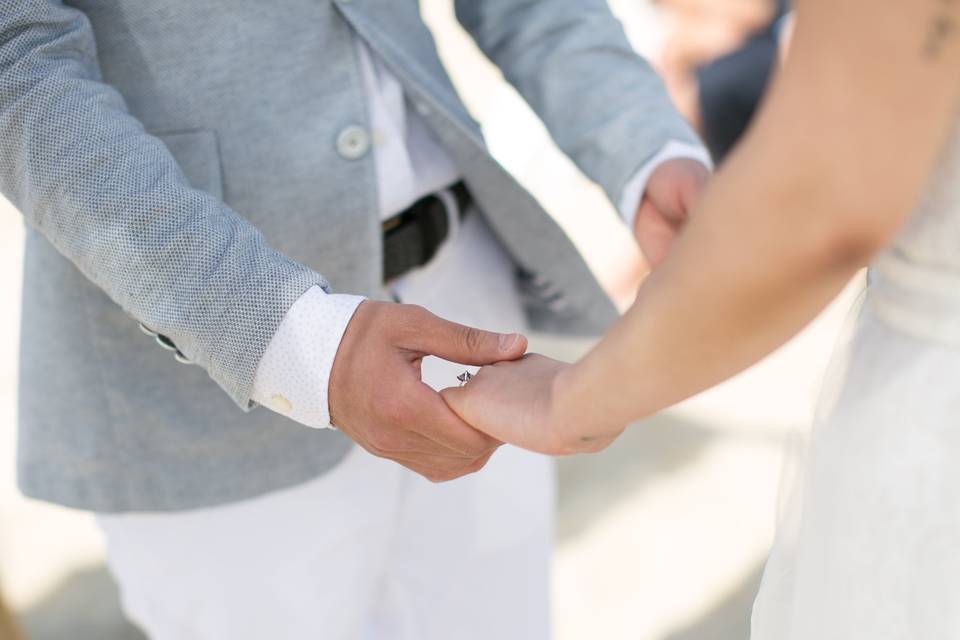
(467, 345)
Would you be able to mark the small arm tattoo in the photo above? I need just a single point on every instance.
(943, 28)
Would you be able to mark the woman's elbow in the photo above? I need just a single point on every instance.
(854, 235)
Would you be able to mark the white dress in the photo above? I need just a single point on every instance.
(868, 545)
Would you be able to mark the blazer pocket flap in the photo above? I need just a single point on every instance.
(198, 155)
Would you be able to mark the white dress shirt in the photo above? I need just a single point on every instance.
(294, 373)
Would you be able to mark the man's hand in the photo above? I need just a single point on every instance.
(671, 193)
(378, 399)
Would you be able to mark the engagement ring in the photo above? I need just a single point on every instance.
(464, 377)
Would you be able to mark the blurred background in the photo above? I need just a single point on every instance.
(661, 537)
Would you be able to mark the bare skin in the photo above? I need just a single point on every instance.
(377, 397)
(376, 394)
(670, 196)
(8, 628)
(835, 164)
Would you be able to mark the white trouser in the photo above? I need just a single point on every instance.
(369, 550)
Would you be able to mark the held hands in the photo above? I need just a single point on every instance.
(525, 403)
(377, 397)
(671, 193)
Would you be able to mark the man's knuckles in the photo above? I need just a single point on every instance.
(478, 464)
(438, 476)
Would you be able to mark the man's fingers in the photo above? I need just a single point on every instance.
(654, 234)
(479, 464)
(408, 445)
(691, 192)
(434, 474)
(424, 456)
(675, 188)
(466, 345)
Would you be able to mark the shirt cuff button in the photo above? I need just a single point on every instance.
(280, 404)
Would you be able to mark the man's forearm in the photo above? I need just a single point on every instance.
(112, 199)
(604, 105)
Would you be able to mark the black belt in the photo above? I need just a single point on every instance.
(411, 238)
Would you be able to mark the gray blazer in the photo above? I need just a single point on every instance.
(184, 164)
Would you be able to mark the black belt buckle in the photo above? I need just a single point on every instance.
(412, 238)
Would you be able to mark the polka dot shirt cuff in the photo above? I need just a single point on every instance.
(294, 373)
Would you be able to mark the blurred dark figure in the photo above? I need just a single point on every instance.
(731, 87)
(718, 60)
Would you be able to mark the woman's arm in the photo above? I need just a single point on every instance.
(834, 165)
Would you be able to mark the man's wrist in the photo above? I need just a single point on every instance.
(294, 374)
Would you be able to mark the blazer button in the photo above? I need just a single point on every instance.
(166, 343)
(353, 143)
(147, 330)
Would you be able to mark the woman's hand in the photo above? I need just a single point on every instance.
(522, 403)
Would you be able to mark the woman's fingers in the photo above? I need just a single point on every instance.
(513, 402)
